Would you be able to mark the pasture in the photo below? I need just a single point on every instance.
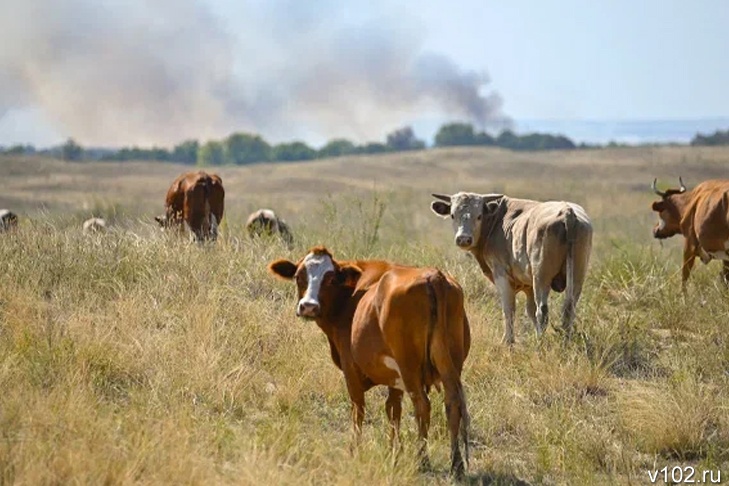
(133, 357)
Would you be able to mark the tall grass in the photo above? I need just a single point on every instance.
(135, 357)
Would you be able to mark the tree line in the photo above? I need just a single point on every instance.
(245, 148)
(717, 138)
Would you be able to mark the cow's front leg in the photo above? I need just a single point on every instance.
(393, 408)
(508, 303)
(689, 256)
(356, 394)
(725, 272)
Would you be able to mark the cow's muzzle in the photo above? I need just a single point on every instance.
(308, 308)
(464, 241)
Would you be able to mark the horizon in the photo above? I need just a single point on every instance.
(665, 131)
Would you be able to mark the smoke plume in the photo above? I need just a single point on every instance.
(139, 72)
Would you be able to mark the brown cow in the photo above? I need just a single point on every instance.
(195, 199)
(524, 246)
(393, 325)
(702, 217)
(266, 222)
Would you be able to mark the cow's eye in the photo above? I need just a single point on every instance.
(478, 217)
(453, 216)
(329, 278)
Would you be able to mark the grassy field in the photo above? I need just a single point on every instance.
(133, 357)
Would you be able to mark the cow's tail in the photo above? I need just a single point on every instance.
(439, 356)
(209, 223)
(570, 224)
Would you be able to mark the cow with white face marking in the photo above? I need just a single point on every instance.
(8, 220)
(701, 215)
(523, 246)
(388, 324)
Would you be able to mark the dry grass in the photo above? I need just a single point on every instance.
(131, 357)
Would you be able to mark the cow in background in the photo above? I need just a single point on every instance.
(195, 200)
(94, 225)
(266, 222)
(523, 246)
(701, 215)
(393, 325)
(8, 220)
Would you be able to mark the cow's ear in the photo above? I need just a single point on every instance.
(349, 275)
(658, 206)
(491, 207)
(441, 208)
(283, 269)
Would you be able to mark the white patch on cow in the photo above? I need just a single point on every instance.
(661, 224)
(317, 266)
(392, 364)
(464, 226)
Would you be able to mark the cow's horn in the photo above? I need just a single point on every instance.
(491, 197)
(442, 197)
(655, 189)
(683, 187)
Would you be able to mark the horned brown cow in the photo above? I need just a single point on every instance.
(701, 215)
(524, 246)
(195, 199)
(393, 325)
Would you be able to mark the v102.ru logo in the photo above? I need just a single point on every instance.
(685, 475)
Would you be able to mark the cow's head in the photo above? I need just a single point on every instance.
(468, 212)
(669, 217)
(322, 282)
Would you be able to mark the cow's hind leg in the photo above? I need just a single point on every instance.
(455, 402)
(393, 408)
(531, 308)
(416, 389)
(541, 297)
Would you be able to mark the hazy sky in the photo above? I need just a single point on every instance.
(110, 72)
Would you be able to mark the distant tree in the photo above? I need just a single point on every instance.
(71, 150)
(245, 148)
(293, 151)
(337, 147)
(185, 152)
(508, 139)
(533, 141)
(404, 139)
(483, 138)
(373, 148)
(717, 138)
(455, 134)
(212, 153)
(16, 150)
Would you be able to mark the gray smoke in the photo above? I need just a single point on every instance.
(157, 72)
